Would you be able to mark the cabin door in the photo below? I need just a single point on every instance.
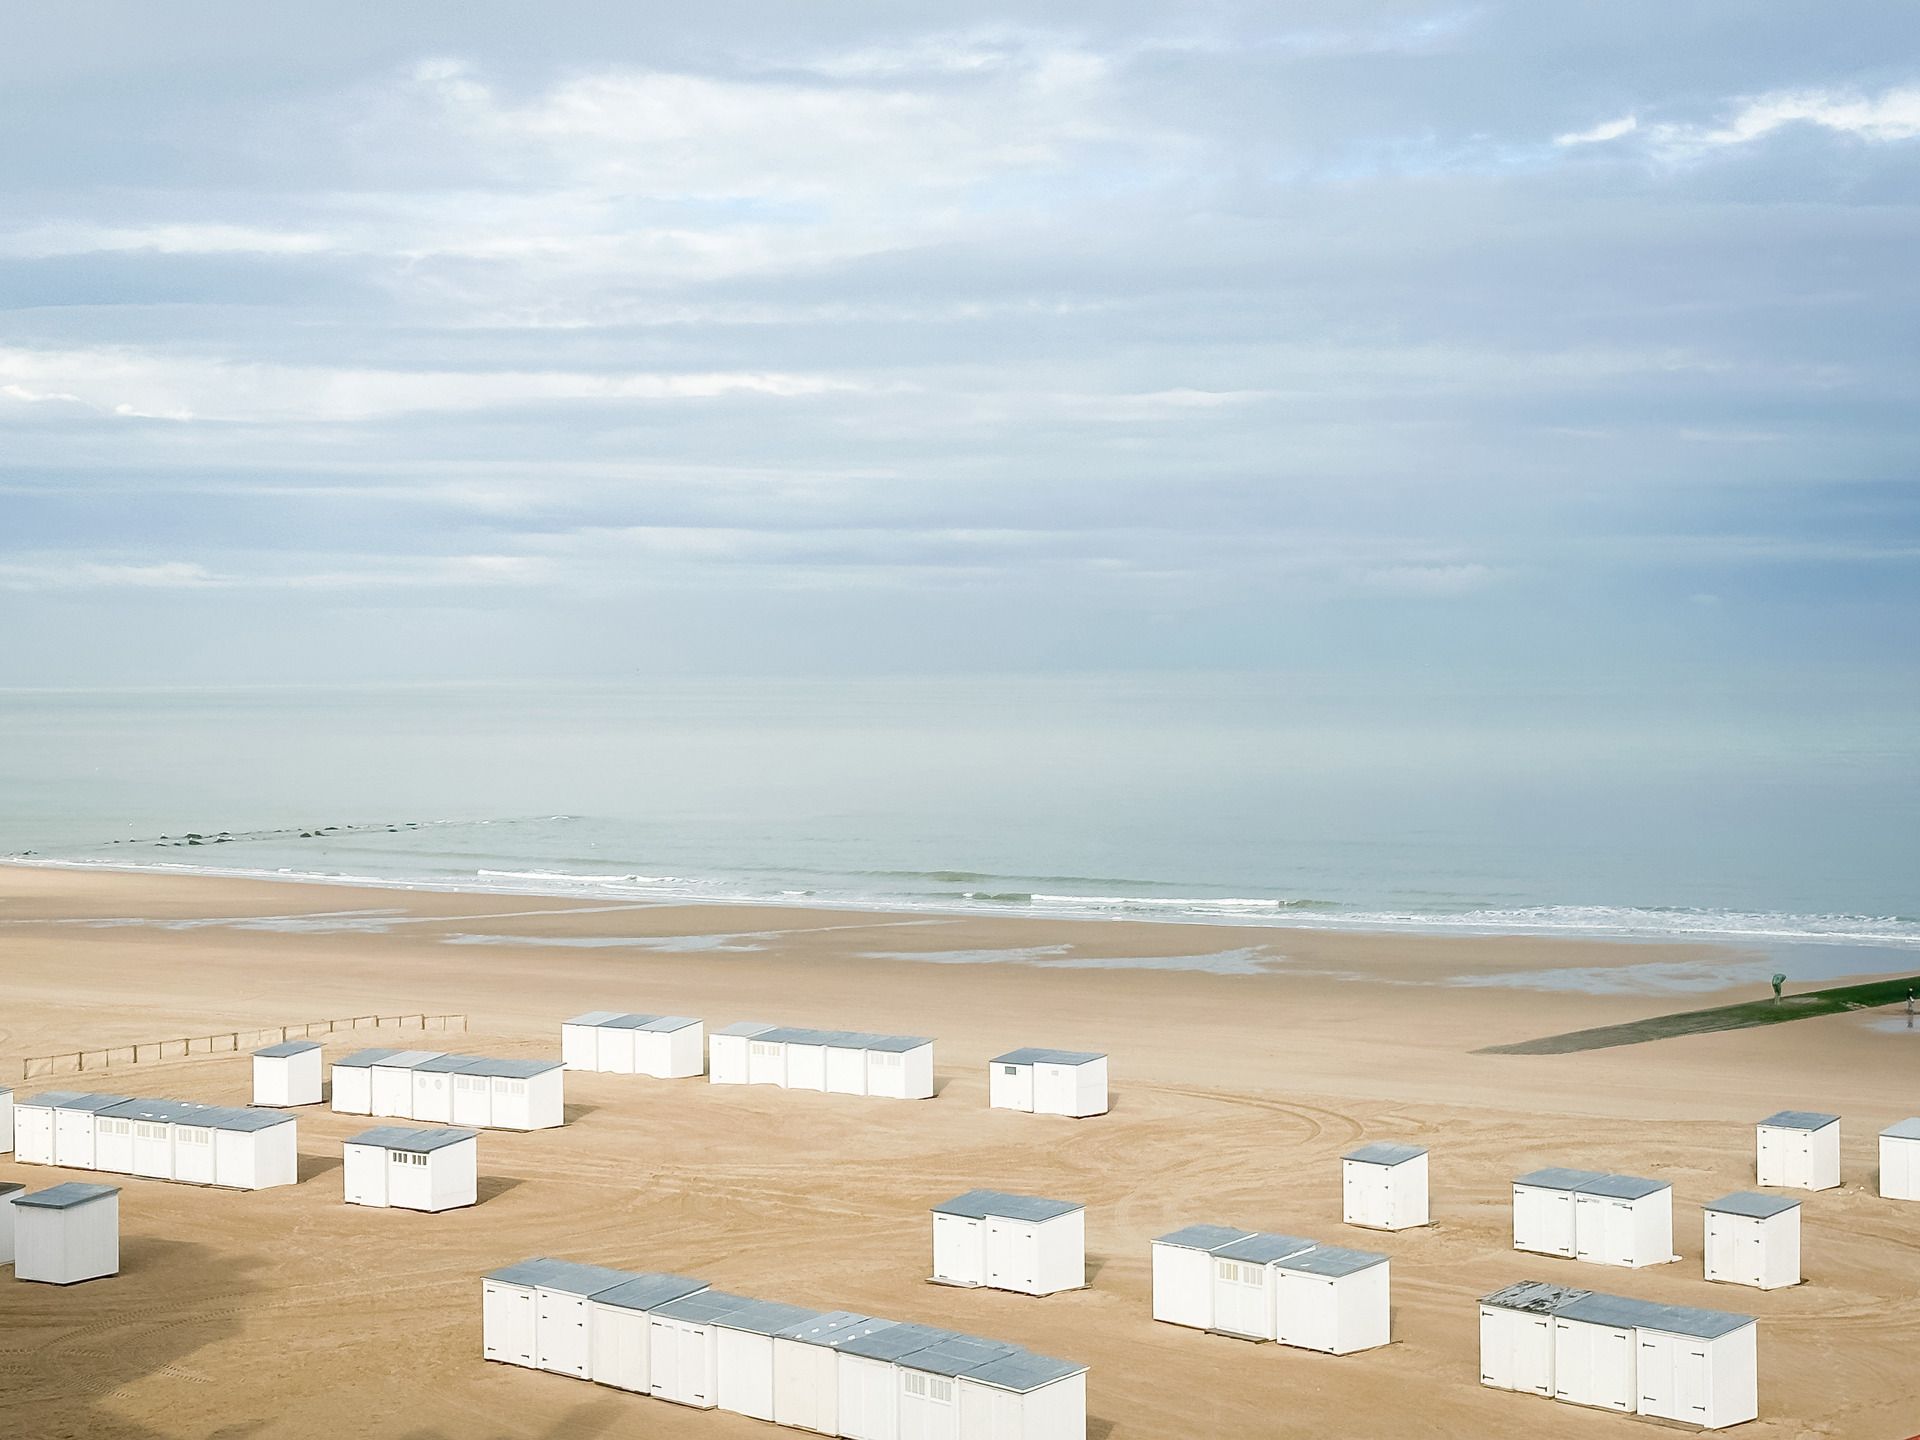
(1307, 1312)
(507, 1320)
(365, 1174)
(1016, 1085)
(1013, 1256)
(1241, 1304)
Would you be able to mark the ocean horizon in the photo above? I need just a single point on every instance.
(1270, 801)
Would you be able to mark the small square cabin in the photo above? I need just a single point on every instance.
(1596, 1341)
(1049, 1082)
(743, 1357)
(1383, 1186)
(353, 1080)
(1700, 1367)
(1753, 1240)
(1010, 1242)
(535, 1313)
(900, 1067)
(580, 1039)
(6, 1120)
(33, 1126)
(9, 1193)
(136, 1137)
(1333, 1300)
(620, 1320)
(929, 1383)
(1624, 1220)
(869, 1376)
(394, 1167)
(252, 1149)
(806, 1368)
(1543, 1218)
(664, 1047)
(1024, 1396)
(683, 1347)
(58, 1127)
(67, 1234)
(1517, 1338)
(1183, 1273)
(1900, 1161)
(729, 1053)
(1244, 1282)
(510, 1094)
(393, 1081)
(288, 1074)
(434, 1086)
(1798, 1150)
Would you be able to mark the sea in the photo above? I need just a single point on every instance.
(1775, 819)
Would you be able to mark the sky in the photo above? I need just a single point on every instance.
(1548, 344)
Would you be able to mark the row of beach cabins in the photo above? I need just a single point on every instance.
(880, 1380)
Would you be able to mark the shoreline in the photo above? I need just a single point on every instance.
(1287, 917)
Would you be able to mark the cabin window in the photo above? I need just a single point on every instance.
(193, 1135)
(1009, 1069)
(513, 1087)
(929, 1387)
(1235, 1273)
(885, 1057)
(764, 1049)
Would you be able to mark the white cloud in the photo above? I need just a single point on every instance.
(1892, 115)
(1601, 133)
(1431, 580)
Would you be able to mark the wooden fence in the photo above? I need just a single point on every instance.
(76, 1062)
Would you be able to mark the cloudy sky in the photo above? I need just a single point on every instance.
(485, 340)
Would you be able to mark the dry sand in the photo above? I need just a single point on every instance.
(289, 1313)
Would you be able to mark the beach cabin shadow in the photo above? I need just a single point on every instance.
(608, 1415)
(489, 1187)
(575, 1113)
(311, 1167)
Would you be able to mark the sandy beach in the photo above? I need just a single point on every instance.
(288, 1313)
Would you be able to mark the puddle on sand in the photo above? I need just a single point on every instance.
(1801, 964)
(1249, 960)
(669, 944)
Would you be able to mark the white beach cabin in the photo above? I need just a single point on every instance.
(1543, 1209)
(1333, 1300)
(510, 1094)
(1753, 1240)
(580, 1039)
(744, 1355)
(6, 1120)
(1024, 1396)
(670, 1047)
(1010, 1242)
(1244, 1283)
(1798, 1150)
(391, 1167)
(393, 1081)
(9, 1193)
(75, 1125)
(33, 1126)
(1183, 1273)
(1596, 1344)
(353, 1080)
(619, 1321)
(1624, 1220)
(1516, 1335)
(253, 1149)
(683, 1347)
(434, 1085)
(1049, 1082)
(137, 1137)
(900, 1067)
(1900, 1161)
(288, 1074)
(930, 1383)
(535, 1313)
(806, 1055)
(806, 1369)
(1383, 1186)
(728, 1053)
(870, 1378)
(67, 1234)
(847, 1063)
(1700, 1367)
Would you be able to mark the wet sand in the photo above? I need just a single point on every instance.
(289, 1313)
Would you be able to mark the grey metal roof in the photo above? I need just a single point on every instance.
(1035, 1055)
(508, 1069)
(445, 1065)
(957, 1355)
(650, 1290)
(1558, 1177)
(766, 1317)
(286, 1048)
(1624, 1187)
(1333, 1261)
(1903, 1130)
(1800, 1120)
(895, 1341)
(592, 1017)
(1600, 1309)
(221, 1117)
(65, 1197)
(418, 1142)
(833, 1328)
(1202, 1237)
(1262, 1248)
(1746, 1202)
(406, 1059)
(156, 1111)
(567, 1276)
(1536, 1297)
(795, 1035)
(1700, 1324)
(1385, 1152)
(898, 1043)
(704, 1307)
(52, 1099)
(978, 1204)
(628, 1022)
(745, 1027)
(1023, 1371)
(667, 1024)
(363, 1059)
